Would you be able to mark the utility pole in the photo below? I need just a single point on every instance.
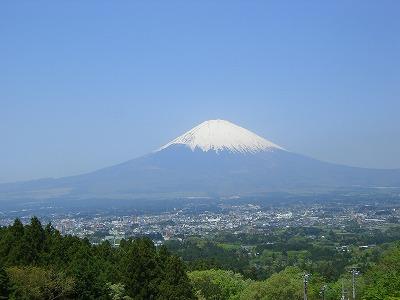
(354, 273)
(353, 280)
(322, 292)
(305, 281)
(343, 291)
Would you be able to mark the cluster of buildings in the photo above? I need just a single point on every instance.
(236, 219)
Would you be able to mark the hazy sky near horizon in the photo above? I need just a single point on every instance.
(87, 84)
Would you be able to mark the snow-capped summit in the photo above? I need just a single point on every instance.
(221, 135)
(214, 159)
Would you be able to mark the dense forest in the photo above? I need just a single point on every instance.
(316, 250)
(37, 262)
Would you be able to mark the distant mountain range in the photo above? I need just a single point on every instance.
(214, 159)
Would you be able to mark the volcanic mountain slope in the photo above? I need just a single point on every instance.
(215, 158)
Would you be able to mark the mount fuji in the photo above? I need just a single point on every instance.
(221, 135)
(214, 159)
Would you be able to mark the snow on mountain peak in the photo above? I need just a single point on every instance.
(220, 135)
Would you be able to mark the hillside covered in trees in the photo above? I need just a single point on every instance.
(37, 262)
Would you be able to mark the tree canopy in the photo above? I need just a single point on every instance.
(39, 263)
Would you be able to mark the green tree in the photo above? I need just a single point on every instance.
(4, 284)
(39, 283)
(174, 284)
(117, 291)
(254, 291)
(140, 268)
(383, 280)
(12, 249)
(218, 284)
(287, 284)
(85, 269)
(34, 237)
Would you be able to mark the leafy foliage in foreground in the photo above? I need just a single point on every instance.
(383, 280)
(218, 284)
(39, 263)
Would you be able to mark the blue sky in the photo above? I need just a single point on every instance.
(87, 84)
